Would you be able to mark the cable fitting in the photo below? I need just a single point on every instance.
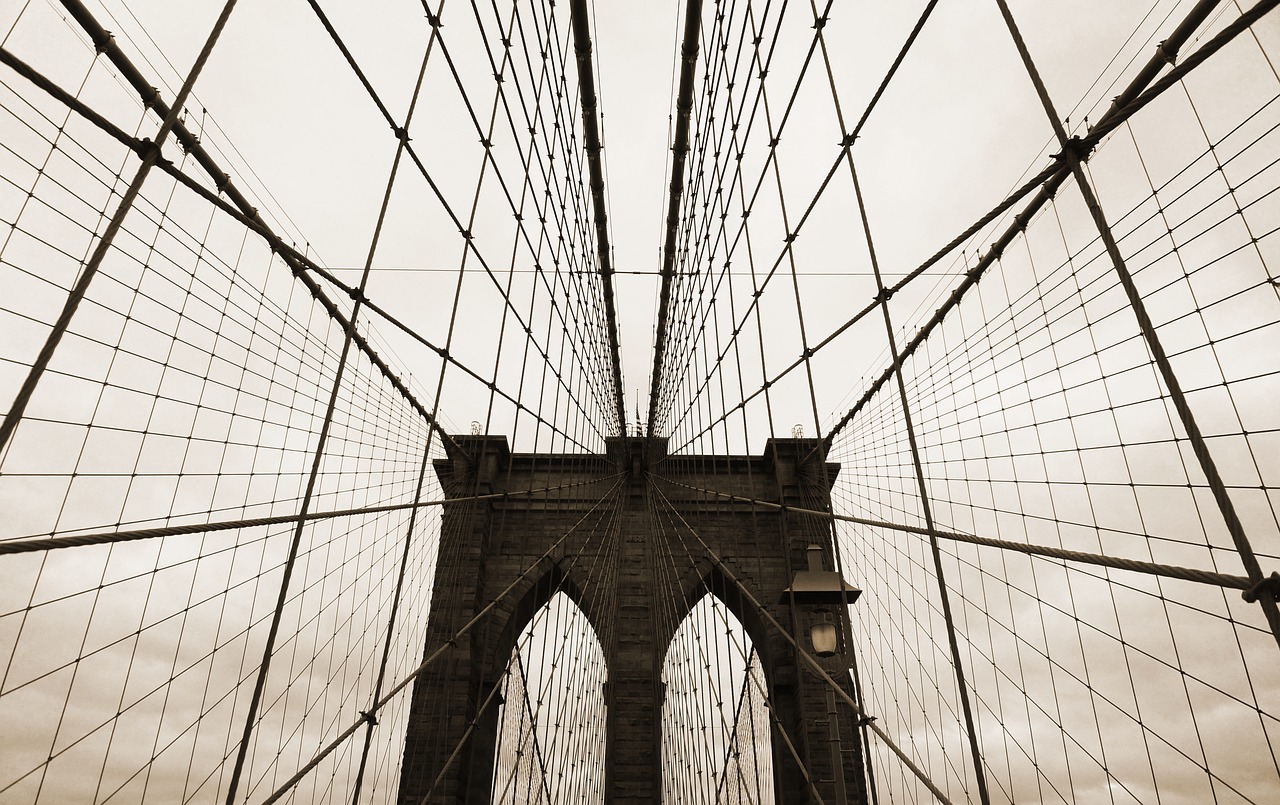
(104, 45)
(402, 134)
(848, 140)
(368, 718)
(151, 98)
(1270, 586)
(864, 721)
(1075, 147)
(1168, 55)
(884, 295)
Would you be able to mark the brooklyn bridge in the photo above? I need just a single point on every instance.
(717, 401)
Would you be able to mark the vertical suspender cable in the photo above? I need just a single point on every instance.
(1118, 111)
(90, 270)
(1199, 446)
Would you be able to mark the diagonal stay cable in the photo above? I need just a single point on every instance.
(370, 714)
(297, 260)
(680, 150)
(591, 131)
(242, 210)
(1135, 97)
(561, 141)
(845, 144)
(1153, 342)
(804, 655)
(1127, 103)
(28, 545)
(401, 133)
(90, 269)
(1151, 568)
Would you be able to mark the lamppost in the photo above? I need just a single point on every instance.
(815, 591)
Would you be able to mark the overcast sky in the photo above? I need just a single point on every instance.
(1040, 417)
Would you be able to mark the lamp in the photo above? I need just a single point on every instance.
(821, 588)
(823, 634)
(818, 586)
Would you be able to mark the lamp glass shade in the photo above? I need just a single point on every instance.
(824, 638)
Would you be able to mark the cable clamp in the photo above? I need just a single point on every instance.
(848, 139)
(884, 295)
(1075, 147)
(368, 718)
(1268, 586)
(104, 45)
(1168, 55)
(402, 134)
(864, 721)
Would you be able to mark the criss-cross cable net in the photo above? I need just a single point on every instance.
(297, 294)
(221, 521)
(551, 730)
(715, 740)
(1051, 326)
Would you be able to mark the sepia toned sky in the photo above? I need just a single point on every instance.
(1039, 414)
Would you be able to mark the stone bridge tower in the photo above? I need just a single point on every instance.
(487, 545)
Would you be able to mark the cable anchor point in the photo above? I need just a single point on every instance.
(1268, 586)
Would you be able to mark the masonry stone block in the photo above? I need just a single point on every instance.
(748, 559)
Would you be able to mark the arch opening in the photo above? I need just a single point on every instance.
(715, 727)
(551, 722)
